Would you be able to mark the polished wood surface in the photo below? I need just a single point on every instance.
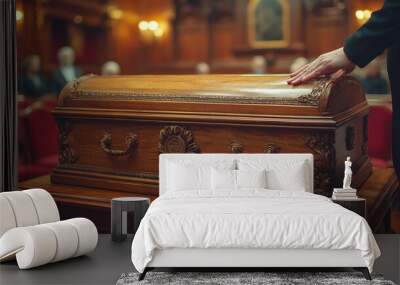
(140, 117)
(321, 97)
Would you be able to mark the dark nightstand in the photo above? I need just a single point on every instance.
(119, 212)
(357, 205)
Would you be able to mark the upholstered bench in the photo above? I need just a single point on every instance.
(31, 230)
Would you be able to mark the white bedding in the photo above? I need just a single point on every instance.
(250, 219)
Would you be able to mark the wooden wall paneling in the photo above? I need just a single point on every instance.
(135, 54)
(163, 12)
(325, 32)
(240, 37)
(27, 29)
(221, 38)
(174, 37)
(125, 48)
(193, 40)
(45, 28)
(123, 37)
(297, 31)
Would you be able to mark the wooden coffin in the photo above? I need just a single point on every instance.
(112, 129)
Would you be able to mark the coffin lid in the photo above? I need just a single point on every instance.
(322, 96)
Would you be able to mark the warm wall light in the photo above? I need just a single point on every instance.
(367, 14)
(363, 15)
(114, 12)
(78, 19)
(143, 25)
(153, 25)
(150, 30)
(159, 33)
(19, 15)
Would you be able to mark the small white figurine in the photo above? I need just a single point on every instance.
(347, 174)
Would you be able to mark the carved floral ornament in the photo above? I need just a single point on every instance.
(324, 151)
(271, 148)
(237, 147)
(67, 154)
(314, 97)
(177, 139)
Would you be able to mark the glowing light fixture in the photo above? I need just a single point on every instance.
(367, 14)
(153, 25)
(363, 15)
(19, 15)
(114, 12)
(159, 33)
(78, 19)
(143, 25)
(359, 14)
(150, 30)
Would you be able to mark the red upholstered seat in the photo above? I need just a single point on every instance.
(24, 154)
(43, 133)
(49, 161)
(380, 136)
(50, 102)
(29, 171)
(37, 138)
(381, 163)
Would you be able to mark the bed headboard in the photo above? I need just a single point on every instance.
(164, 158)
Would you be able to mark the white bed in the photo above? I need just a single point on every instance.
(205, 226)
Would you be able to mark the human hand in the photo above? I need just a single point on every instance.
(333, 63)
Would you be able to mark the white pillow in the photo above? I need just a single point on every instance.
(185, 175)
(223, 179)
(227, 180)
(281, 174)
(251, 178)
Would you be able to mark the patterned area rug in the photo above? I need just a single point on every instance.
(243, 278)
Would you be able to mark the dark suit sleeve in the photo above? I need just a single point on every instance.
(379, 33)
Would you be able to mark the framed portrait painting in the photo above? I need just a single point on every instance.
(269, 23)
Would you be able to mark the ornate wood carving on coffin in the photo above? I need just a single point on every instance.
(67, 154)
(177, 139)
(314, 97)
(271, 148)
(236, 147)
(323, 147)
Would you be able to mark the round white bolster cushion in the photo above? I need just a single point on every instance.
(40, 244)
(26, 208)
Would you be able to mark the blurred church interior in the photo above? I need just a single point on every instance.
(60, 40)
